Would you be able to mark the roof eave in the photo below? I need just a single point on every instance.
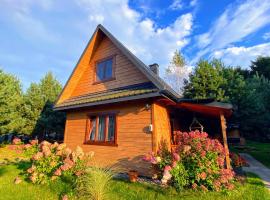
(110, 101)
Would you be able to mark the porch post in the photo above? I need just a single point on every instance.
(225, 143)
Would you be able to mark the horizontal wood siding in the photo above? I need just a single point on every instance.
(132, 138)
(162, 129)
(125, 72)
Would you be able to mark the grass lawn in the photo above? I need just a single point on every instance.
(252, 189)
(258, 150)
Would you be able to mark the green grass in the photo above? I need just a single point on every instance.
(26, 190)
(253, 189)
(258, 150)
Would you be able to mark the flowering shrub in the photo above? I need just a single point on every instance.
(51, 161)
(237, 160)
(160, 160)
(198, 162)
(16, 141)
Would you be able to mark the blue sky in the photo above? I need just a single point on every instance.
(37, 36)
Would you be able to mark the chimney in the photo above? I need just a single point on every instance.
(154, 68)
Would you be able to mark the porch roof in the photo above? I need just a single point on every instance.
(206, 106)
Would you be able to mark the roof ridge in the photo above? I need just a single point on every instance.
(158, 81)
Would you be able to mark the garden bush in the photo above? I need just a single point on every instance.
(196, 162)
(51, 161)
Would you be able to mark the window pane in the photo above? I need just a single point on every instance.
(93, 129)
(100, 71)
(111, 128)
(108, 69)
(101, 128)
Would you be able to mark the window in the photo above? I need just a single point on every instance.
(104, 70)
(101, 129)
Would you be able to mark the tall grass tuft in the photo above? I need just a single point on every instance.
(94, 183)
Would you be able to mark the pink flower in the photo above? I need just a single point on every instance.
(57, 172)
(31, 169)
(78, 173)
(37, 156)
(33, 178)
(27, 146)
(203, 188)
(187, 148)
(33, 142)
(16, 141)
(167, 168)
(230, 186)
(203, 175)
(65, 197)
(203, 153)
(176, 156)
(174, 164)
(194, 186)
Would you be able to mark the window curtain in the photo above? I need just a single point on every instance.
(93, 130)
(111, 128)
(101, 128)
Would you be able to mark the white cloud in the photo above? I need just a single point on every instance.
(140, 35)
(234, 25)
(193, 2)
(176, 5)
(19, 13)
(241, 56)
(266, 36)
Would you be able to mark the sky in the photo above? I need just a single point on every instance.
(37, 36)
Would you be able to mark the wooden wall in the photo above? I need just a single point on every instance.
(161, 126)
(132, 137)
(125, 72)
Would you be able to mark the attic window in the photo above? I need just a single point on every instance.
(105, 70)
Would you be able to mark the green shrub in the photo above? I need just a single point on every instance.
(180, 176)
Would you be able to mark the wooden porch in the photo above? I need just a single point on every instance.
(207, 117)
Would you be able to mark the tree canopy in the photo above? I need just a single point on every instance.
(261, 66)
(11, 102)
(30, 112)
(247, 90)
(206, 81)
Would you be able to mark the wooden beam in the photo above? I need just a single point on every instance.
(225, 143)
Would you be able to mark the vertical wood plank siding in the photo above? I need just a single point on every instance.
(162, 129)
(132, 138)
(125, 72)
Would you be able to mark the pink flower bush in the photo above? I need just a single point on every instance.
(16, 141)
(50, 161)
(197, 162)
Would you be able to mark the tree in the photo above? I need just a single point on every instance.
(261, 66)
(11, 104)
(177, 72)
(39, 100)
(206, 81)
(254, 109)
(234, 85)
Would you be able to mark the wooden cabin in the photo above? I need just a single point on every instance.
(121, 109)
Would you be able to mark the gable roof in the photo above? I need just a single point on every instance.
(163, 88)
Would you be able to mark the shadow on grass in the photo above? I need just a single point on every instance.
(2, 171)
(253, 179)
